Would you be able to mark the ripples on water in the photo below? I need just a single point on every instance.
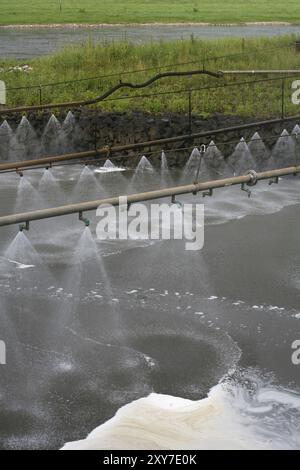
(79, 348)
(44, 41)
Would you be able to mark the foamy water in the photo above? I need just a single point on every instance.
(231, 417)
(168, 327)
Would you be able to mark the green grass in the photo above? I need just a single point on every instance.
(90, 60)
(135, 11)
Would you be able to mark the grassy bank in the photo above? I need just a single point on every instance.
(109, 62)
(133, 11)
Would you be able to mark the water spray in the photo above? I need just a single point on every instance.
(250, 179)
(102, 152)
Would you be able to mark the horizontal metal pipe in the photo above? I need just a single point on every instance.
(259, 72)
(109, 151)
(49, 160)
(140, 197)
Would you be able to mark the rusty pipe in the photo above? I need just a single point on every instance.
(107, 152)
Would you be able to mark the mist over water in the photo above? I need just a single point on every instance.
(214, 164)
(28, 197)
(260, 152)
(241, 159)
(27, 145)
(284, 151)
(167, 337)
(87, 187)
(143, 172)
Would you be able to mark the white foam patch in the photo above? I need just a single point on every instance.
(227, 419)
(21, 265)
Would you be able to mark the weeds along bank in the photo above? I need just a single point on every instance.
(87, 70)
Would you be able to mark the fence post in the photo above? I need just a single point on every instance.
(190, 111)
(40, 93)
(282, 97)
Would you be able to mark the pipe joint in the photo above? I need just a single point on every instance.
(253, 178)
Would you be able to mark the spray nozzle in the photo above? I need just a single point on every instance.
(24, 226)
(175, 201)
(207, 193)
(247, 190)
(274, 180)
(202, 148)
(84, 219)
(202, 152)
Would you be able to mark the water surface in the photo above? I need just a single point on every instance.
(28, 43)
(92, 326)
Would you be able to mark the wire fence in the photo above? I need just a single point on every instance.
(203, 63)
(262, 97)
(265, 97)
(170, 95)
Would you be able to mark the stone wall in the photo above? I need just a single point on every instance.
(96, 129)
